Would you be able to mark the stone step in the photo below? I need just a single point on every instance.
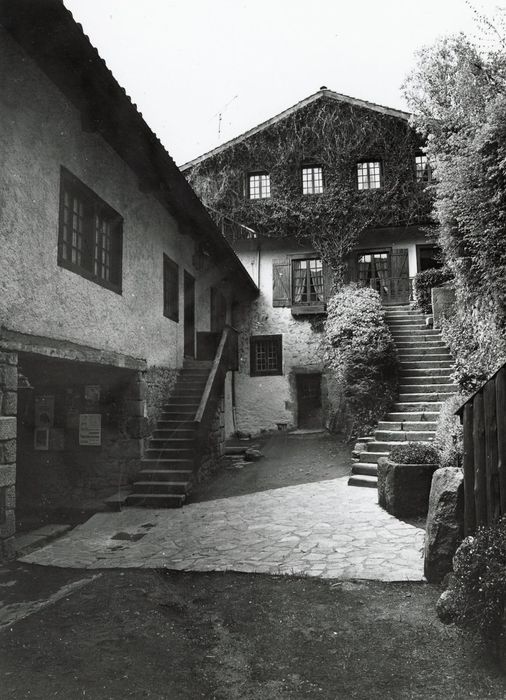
(400, 322)
(372, 457)
(384, 446)
(404, 435)
(197, 364)
(437, 355)
(166, 464)
(416, 334)
(176, 433)
(183, 416)
(417, 345)
(416, 406)
(363, 480)
(425, 364)
(164, 487)
(186, 391)
(413, 415)
(151, 500)
(426, 380)
(427, 397)
(426, 388)
(429, 372)
(172, 443)
(172, 475)
(428, 349)
(169, 453)
(364, 468)
(179, 401)
(407, 425)
(174, 425)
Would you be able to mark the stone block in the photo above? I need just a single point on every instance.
(9, 403)
(9, 497)
(9, 377)
(445, 522)
(8, 358)
(7, 549)
(403, 489)
(8, 525)
(137, 391)
(8, 427)
(7, 475)
(7, 452)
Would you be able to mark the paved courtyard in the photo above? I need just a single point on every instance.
(324, 529)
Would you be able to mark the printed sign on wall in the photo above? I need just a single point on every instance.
(90, 429)
(44, 411)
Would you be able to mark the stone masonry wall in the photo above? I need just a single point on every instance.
(160, 382)
(214, 448)
(8, 430)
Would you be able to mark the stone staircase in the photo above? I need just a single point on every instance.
(168, 463)
(424, 383)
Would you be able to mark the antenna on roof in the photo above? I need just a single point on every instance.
(220, 114)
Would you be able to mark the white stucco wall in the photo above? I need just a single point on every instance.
(40, 131)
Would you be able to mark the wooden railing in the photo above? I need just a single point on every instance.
(483, 417)
(231, 230)
(226, 359)
(391, 289)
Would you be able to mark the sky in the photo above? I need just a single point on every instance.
(204, 71)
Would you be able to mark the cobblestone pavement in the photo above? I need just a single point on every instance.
(324, 529)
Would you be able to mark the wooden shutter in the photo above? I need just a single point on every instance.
(281, 283)
(400, 267)
(328, 281)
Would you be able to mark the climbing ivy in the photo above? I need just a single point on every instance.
(335, 135)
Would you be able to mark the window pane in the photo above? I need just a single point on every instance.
(369, 175)
(259, 186)
(312, 180)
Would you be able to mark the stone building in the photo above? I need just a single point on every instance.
(113, 277)
(287, 183)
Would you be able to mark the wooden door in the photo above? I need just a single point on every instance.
(309, 401)
(189, 315)
(399, 280)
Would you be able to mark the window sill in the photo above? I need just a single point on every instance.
(309, 310)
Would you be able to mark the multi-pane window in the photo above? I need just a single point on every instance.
(90, 234)
(369, 175)
(170, 289)
(259, 185)
(422, 168)
(307, 281)
(266, 355)
(312, 180)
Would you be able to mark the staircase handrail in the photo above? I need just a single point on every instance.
(221, 364)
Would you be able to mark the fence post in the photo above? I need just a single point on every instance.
(480, 476)
(468, 468)
(500, 397)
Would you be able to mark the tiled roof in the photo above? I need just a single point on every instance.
(322, 93)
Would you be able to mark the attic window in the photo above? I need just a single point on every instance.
(312, 179)
(422, 168)
(259, 185)
(369, 175)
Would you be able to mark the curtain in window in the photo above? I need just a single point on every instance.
(299, 281)
(316, 274)
(381, 273)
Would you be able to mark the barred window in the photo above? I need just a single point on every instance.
(259, 185)
(266, 356)
(90, 234)
(422, 168)
(170, 289)
(369, 175)
(312, 180)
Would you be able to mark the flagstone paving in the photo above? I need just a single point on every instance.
(324, 529)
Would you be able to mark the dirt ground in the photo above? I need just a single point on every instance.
(140, 634)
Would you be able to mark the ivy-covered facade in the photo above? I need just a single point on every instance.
(332, 190)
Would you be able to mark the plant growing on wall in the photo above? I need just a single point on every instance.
(335, 136)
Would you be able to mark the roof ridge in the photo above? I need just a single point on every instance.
(323, 92)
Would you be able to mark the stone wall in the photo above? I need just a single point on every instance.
(215, 445)
(159, 382)
(8, 431)
(443, 303)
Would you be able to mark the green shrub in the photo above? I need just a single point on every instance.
(362, 360)
(478, 587)
(448, 438)
(414, 453)
(424, 282)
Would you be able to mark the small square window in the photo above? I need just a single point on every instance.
(422, 168)
(170, 289)
(369, 175)
(312, 180)
(259, 186)
(307, 282)
(266, 355)
(90, 234)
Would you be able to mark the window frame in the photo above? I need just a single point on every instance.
(96, 210)
(170, 304)
(312, 302)
(260, 174)
(312, 167)
(277, 339)
(369, 162)
(427, 170)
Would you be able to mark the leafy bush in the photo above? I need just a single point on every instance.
(361, 360)
(477, 593)
(424, 282)
(414, 453)
(448, 438)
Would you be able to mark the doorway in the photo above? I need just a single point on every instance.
(309, 400)
(189, 315)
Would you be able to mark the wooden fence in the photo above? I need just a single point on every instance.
(483, 417)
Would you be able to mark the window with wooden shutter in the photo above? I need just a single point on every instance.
(281, 283)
